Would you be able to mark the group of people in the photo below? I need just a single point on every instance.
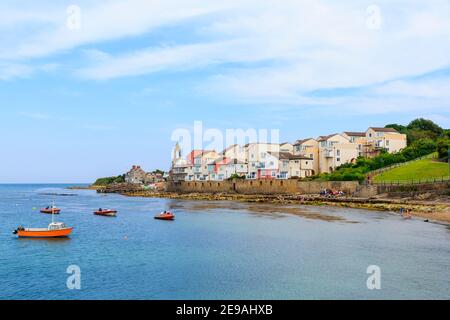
(406, 213)
(329, 193)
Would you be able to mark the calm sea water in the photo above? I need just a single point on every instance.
(216, 250)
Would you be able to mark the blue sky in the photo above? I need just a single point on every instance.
(90, 99)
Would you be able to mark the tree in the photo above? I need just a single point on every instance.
(425, 125)
(442, 148)
(447, 133)
(400, 128)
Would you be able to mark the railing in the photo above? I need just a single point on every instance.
(401, 164)
(411, 181)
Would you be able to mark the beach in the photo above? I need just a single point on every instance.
(433, 211)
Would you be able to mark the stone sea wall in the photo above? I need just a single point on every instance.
(263, 186)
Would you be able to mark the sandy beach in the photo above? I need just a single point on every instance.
(430, 211)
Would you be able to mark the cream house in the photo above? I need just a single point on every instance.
(292, 166)
(388, 139)
(286, 147)
(359, 138)
(308, 148)
(301, 166)
(334, 151)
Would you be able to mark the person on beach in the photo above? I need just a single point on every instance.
(407, 214)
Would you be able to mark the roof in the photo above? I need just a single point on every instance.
(229, 148)
(288, 156)
(225, 160)
(355, 134)
(376, 129)
(324, 138)
(253, 143)
(299, 142)
(196, 153)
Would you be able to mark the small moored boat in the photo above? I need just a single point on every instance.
(106, 212)
(51, 210)
(54, 230)
(165, 216)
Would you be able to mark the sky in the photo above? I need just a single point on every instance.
(89, 88)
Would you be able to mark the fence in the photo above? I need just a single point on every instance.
(401, 164)
(411, 181)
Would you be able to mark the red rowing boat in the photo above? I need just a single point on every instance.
(106, 213)
(168, 216)
(52, 210)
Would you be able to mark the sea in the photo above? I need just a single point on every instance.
(215, 250)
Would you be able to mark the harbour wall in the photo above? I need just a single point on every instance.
(263, 186)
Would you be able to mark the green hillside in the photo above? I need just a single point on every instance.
(426, 169)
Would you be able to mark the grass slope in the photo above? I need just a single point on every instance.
(421, 169)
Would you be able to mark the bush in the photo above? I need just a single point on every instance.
(236, 176)
(442, 148)
(109, 180)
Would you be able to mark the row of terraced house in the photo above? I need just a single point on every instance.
(304, 158)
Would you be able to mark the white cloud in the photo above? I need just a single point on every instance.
(100, 21)
(271, 51)
(12, 70)
(36, 115)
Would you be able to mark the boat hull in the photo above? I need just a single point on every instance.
(63, 233)
(49, 211)
(106, 213)
(167, 217)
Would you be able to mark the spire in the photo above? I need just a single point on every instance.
(176, 153)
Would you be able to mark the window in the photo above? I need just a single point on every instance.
(311, 156)
(338, 159)
(338, 153)
(387, 143)
(297, 148)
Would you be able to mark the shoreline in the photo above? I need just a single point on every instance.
(435, 212)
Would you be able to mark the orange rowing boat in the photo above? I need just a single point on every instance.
(165, 216)
(54, 230)
(52, 210)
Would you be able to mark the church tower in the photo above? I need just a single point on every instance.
(176, 153)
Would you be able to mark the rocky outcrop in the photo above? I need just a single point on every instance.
(121, 188)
